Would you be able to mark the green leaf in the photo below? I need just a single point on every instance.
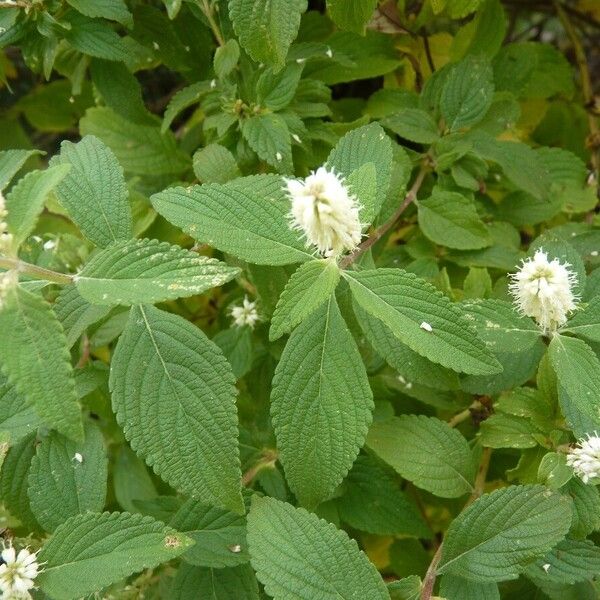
(352, 15)
(413, 367)
(235, 583)
(226, 58)
(298, 556)
(458, 587)
(320, 400)
(275, 90)
(578, 373)
(249, 225)
(450, 219)
(496, 537)
(76, 314)
(467, 93)
(586, 322)
(89, 552)
(236, 345)
(570, 561)
(404, 303)
(183, 99)
(215, 164)
(586, 507)
(114, 10)
(140, 149)
(94, 37)
(17, 416)
(268, 135)
(136, 271)
(372, 502)
(306, 290)
(427, 452)
(94, 192)
(487, 30)
(500, 326)
(521, 164)
(11, 162)
(68, 478)
(26, 200)
(407, 588)
(508, 431)
(219, 535)
(174, 395)
(554, 471)
(266, 29)
(34, 355)
(13, 480)
(413, 124)
(368, 144)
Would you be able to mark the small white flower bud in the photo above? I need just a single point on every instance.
(584, 459)
(325, 211)
(246, 314)
(8, 280)
(543, 290)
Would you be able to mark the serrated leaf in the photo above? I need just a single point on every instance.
(131, 481)
(467, 93)
(372, 502)
(508, 431)
(407, 588)
(413, 124)
(268, 135)
(352, 15)
(276, 89)
(412, 366)
(520, 163)
(89, 552)
(500, 326)
(76, 314)
(306, 290)
(215, 164)
(234, 583)
(404, 302)
(173, 393)
(183, 99)
(135, 271)
(368, 144)
(298, 556)
(488, 30)
(578, 373)
(26, 200)
(10, 163)
(586, 322)
(226, 58)
(450, 219)
(320, 399)
(17, 416)
(94, 37)
(250, 226)
(586, 507)
(114, 10)
(570, 561)
(34, 355)
(496, 537)
(427, 452)
(140, 149)
(266, 30)
(236, 344)
(219, 535)
(458, 587)
(94, 192)
(67, 478)
(13, 480)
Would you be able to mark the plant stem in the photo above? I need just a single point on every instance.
(268, 460)
(464, 415)
(586, 83)
(208, 11)
(381, 231)
(35, 271)
(430, 576)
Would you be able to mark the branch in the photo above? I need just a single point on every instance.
(35, 271)
(381, 231)
(268, 460)
(208, 10)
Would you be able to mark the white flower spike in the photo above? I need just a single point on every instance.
(543, 289)
(584, 459)
(246, 314)
(325, 211)
(17, 573)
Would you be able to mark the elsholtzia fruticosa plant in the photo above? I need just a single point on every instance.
(299, 300)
